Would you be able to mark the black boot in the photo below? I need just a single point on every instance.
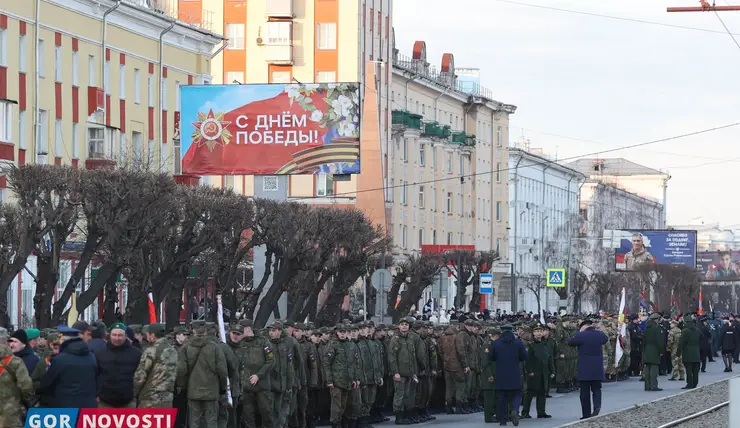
(400, 419)
(450, 409)
(428, 415)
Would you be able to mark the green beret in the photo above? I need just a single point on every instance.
(32, 333)
(157, 329)
(119, 325)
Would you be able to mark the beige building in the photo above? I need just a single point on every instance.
(448, 158)
(307, 41)
(82, 85)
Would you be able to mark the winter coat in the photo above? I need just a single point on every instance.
(402, 355)
(508, 353)
(116, 368)
(590, 354)
(705, 342)
(729, 338)
(689, 343)
(71, 379)
(201, 369)
(341, 362)
(450, 360)
(16, 389)
(539, 365)
(282, 375)
(96, 345)
(255, 358)
(30, 359)
(653, 343)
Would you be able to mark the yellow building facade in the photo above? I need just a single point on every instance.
(91, 83)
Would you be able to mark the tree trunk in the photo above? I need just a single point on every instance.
(137, 309)
(331, 312)
(475, 298)
(46, 278)
(86, 257)
(267, 305)
(309, 310)
(4, 316)
(174, 303)
(110, 299)
(88, 296)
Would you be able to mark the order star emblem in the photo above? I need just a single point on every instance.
(211, 130)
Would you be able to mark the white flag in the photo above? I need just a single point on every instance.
(222, 335)
(622, 330)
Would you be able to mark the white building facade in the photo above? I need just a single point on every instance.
(543, 207)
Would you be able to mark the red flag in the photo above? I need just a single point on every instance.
(152, 310)
(700, 311)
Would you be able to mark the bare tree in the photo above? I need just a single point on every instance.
(535, 284)
(466, 267)
(54, 192)
(414, 276)
(607, 288)
(13, 234)
(664, 278)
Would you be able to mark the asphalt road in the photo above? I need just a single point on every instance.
(566, 408)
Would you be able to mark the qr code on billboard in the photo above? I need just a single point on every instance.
(270, 183)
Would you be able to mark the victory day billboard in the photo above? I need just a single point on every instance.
(718, 265)
(640, 247)
(270, 129)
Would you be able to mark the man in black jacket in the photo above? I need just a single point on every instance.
(705, 345)
(117, 363)
(19, 346)
(72, 377)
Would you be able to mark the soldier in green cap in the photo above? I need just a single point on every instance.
(539, 368)
(256, 362)
(466, 346)
(154, 379)
(341, 376)
(138, 337)
(488, 378)
(282, 376)
(403, 364)
(688, 346)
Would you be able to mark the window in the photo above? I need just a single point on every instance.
(280, 77)
(498, 210)
(236, 77)
(449, 203)
(391, 190)
(21, 51)
(75, 70)
(422, 154)
(421, 237)
(22, 130)
(498, 245)
(405, 151)
(462, 165)
(164, 157)
(228, 181)
(177, 155)
(122, 147)
(499, 137)
(137, 86)
(122, 82)
(324, 184)
(6, 120)
(404, 242)
(326, 77)
(58, 63)
(449, 162)
(96, 142)
(404, 193)
(434, 237)
(137, 141)
(58, 138)
(498, 172)
(279, 33)
(235, 33)
(106, 77)
(91, 70)
(75, 138)
(150, 90)
(42, 72)
(326, 35)
(177, 95)
(163, 87)
(43, 134)
(449, 238)
(434, 157)
(433, 192)
(421, 197)
(423, 109)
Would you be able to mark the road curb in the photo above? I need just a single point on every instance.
(649, 402)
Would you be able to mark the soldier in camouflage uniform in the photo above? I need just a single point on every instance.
(607, 349)
(368, 376)
(311, 368)
(282, 375)
(674, 337)
(381, 397)
(432, 368)
(403, 364)
(625, 362)
(341, 377)
(422, 354)
(466, 350)
(256, 362)
(299, 369)
(16, 387)
(52, 348)
(154, 379)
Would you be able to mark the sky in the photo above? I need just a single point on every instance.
(585, 83)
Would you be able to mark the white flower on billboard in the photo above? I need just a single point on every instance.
(317, 115)
(343, 107)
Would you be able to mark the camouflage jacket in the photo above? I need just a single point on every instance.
(466, 349)
(367, 364)
(341, 362)
(402, 355)
(311, 361)
(674, 337)
(154, 379)
(16, 389)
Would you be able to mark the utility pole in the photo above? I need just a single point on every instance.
(704, 7)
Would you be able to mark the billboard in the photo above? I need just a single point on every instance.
(639, 247)
(270, 129)
(718, 265)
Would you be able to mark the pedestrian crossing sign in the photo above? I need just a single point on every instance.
(556, 277)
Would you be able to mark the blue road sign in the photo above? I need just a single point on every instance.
(556, 277)
(486, 283)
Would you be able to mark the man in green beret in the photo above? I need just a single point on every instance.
(119, 360)
(154, 379)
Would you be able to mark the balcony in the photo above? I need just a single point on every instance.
(279, 8)
(406, 119)
(463, 139)
(279, 54)
(432, 129)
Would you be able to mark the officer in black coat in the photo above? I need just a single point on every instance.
(705, 342)
(635, 345)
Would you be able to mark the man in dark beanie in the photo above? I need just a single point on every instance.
(98, 336)
(19, 345)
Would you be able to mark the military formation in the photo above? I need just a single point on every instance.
(297, 375)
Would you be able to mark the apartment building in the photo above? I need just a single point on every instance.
(306, 41)
(91, 83)
(543, 198)
(447, 158)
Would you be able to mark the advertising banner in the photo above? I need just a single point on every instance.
(718, 265)
(271, 129)
(639, 247)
